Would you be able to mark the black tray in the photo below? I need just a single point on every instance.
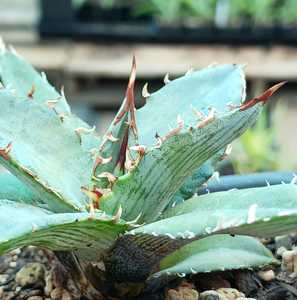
(59, 19)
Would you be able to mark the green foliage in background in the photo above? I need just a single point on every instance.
(256, 150)
(201, 12)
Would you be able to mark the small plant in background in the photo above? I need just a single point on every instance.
(257, 150)
(108, 199)
(200, 12)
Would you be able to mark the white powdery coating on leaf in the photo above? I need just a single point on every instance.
(294, 179)
(171, 236)
(189, 234)
(252, 213)
(284, 213)
(208, 230)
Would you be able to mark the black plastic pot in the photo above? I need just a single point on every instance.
(229, 182)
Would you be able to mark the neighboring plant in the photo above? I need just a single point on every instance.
(94, 199)
(257, 151)
(178, 11)
(201, 12)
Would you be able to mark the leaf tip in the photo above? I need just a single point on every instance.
(262, 98)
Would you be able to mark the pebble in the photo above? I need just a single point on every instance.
(229, 293)
(66, 295)
(182, 293)
(15, 251)
(35, 298)
(3, 264)
(17, 288)
(211, 295)
(12, 264)
(280, 251)
(60, 294)
(268, 275)
(1, 292)
(3, 278)
(14, 258)
(29, 274)
(223, 294)
(27, 293)
(289, 260)
(283, 241)
(56, 294)
(48, 283)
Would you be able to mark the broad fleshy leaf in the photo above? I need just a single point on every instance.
(44, 152)
(187, 99)
(24, 81)
(263, 212)
(13, 189)
(20, 77)
(23, 224)
(194, 181)
(147, 189)
(216, 253)
(215, 87)
(17, 74)
(48, 148)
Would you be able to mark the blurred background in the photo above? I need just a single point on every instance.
(87, 46)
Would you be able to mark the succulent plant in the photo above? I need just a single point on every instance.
(120, 198)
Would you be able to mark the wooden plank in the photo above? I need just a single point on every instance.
(156, 60)
(47, 56)
(153, 61)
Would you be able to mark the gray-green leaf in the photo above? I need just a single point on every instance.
(263, 212)
(23, 224)
(13, 189)
(216, 253)
(45, 152)
(147, 189)
(210, 87)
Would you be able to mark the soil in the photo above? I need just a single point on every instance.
(35, 274)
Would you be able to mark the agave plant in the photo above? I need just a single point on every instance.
(119, 198)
